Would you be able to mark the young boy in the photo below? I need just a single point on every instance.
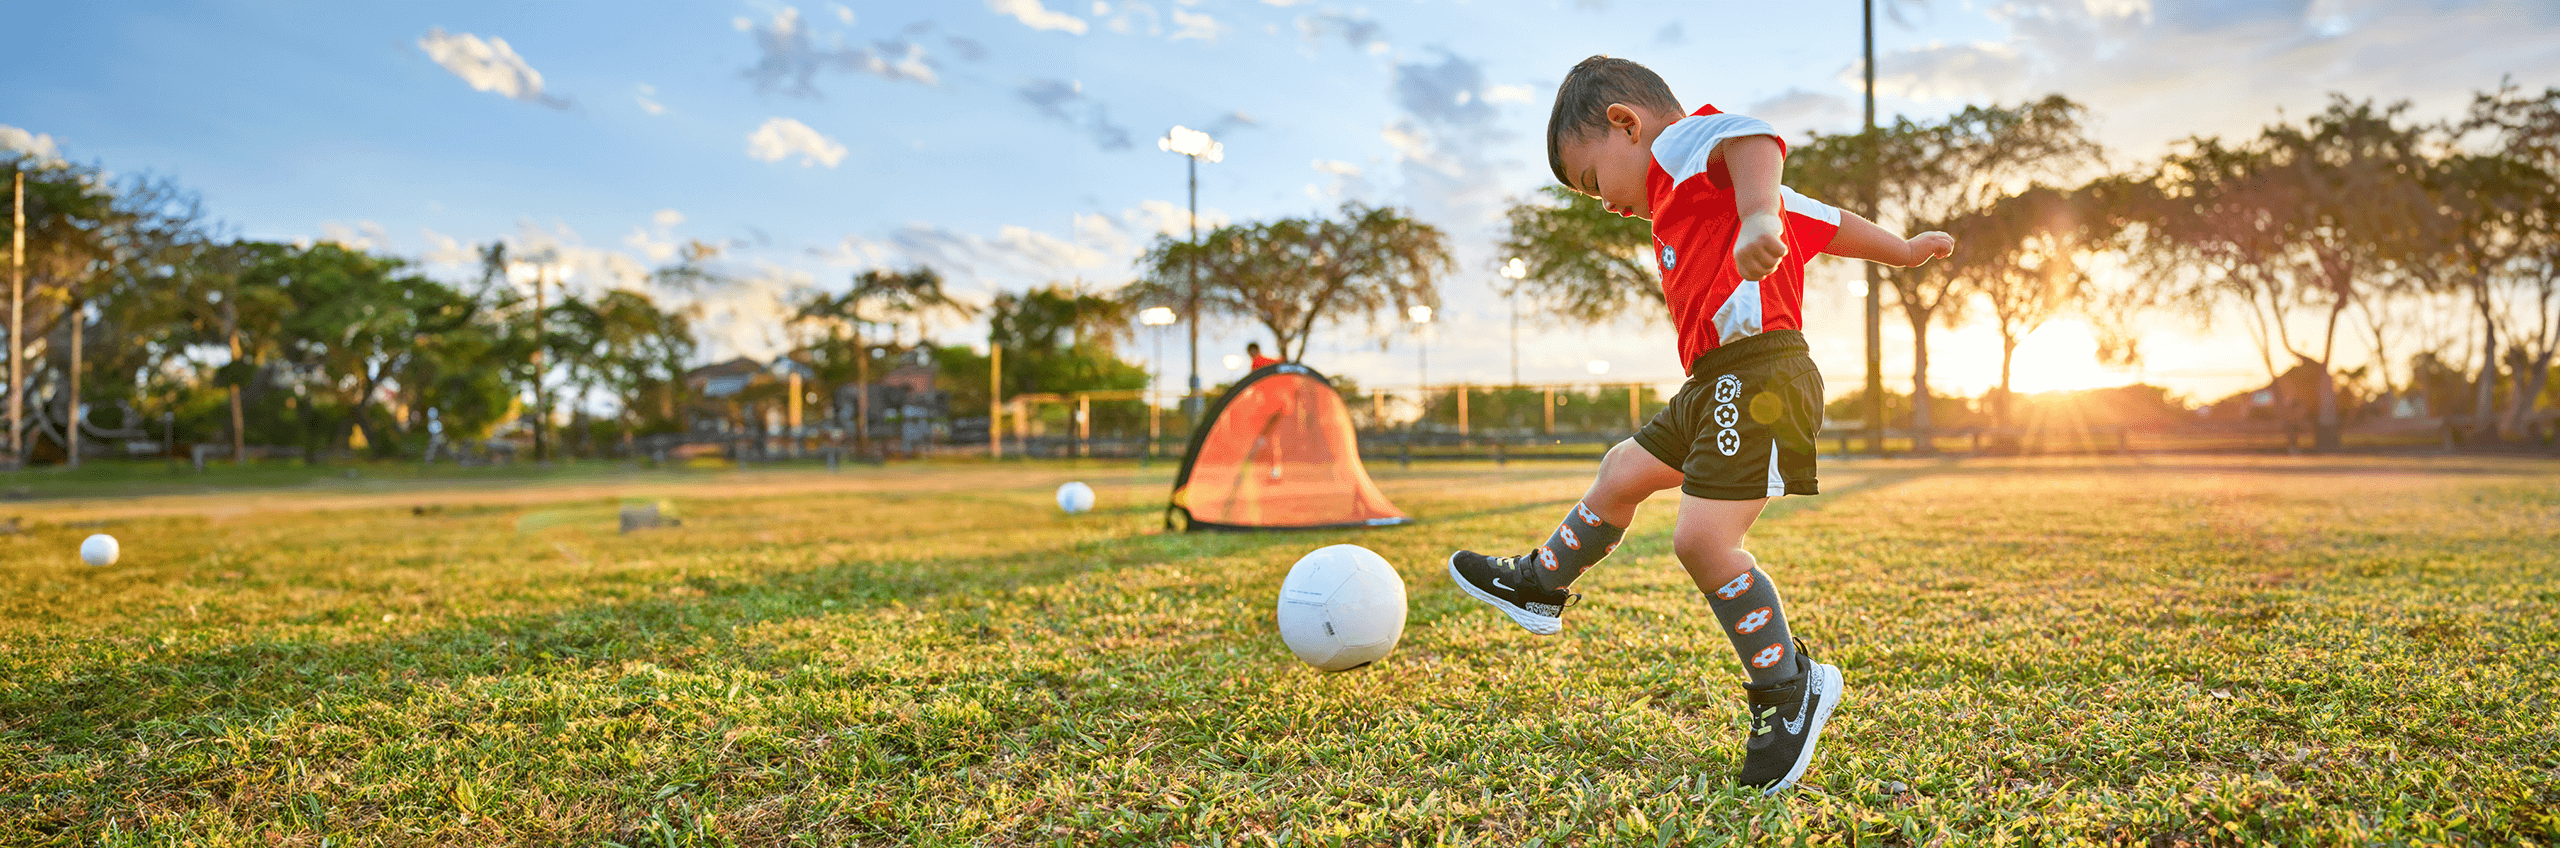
(1731, 244)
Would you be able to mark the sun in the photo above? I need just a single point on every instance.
(2061, 356)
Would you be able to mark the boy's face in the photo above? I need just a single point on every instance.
(1613, 165)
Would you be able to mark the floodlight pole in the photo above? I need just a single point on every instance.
(541, 405)
(17, 317)
(1191, 305)
(1875, 295)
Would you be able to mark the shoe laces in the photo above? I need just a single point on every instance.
(1763, 720)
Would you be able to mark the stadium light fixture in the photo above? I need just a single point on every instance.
(1194, 146)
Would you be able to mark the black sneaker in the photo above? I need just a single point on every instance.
(1786, 723)
(1499, 581)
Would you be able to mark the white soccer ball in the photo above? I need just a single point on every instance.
(100, 549)
(1341, 607)
(1075, 498)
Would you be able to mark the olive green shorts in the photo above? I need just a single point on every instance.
(1743, 426)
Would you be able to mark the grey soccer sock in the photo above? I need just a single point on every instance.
(1753, 618)
(1578, 543)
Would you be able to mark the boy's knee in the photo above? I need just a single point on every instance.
(1699, 550)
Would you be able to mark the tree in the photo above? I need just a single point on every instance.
(1589, 264)
(1287, 275)
(355, 322)
(2507, 200)
(1057, 339)
(876, 297)
(2298, 220)
(2022, 257)
(1932, 174)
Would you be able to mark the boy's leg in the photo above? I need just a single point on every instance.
(1530, 588)
(1708, 542)
(1790, 696)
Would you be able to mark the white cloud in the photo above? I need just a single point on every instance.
(1339, 168)
(657, 242)
(1169, 218)
(643, 93)
(578, 267)
(38, 146)
(489, 65)
(788, 51)
(1030, 13)
(782, 138)
(1199, 26)
(1045, 250)
(446, 250)
(1797, 111)
(2155, 71)
(1953, 71)
(1127, 20)
(363, 235)
(1510, 94)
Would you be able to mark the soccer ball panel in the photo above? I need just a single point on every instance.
(1341, 607)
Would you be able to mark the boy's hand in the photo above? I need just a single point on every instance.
(1758, 245)
(1930, 245)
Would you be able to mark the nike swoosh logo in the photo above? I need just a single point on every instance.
(1498, 584)
(1813, 689)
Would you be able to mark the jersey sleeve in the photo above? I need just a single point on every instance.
(1685, 147)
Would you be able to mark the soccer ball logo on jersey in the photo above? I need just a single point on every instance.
(1752, 623)
(1668, 259)
(1727, 415)
(1769, 656)
(1728, 442)
(1570, 540)
(1741, 583)
(1728, 387)
(1547, 558)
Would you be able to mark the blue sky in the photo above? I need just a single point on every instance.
(1011, 143)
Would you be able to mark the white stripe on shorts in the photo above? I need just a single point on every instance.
(1777, 482)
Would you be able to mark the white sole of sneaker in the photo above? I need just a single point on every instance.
(1529, 621)
(1833, 688)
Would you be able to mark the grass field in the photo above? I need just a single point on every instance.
(2118, 651)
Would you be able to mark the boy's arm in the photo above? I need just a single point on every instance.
(1752, 162)
(1859, 238)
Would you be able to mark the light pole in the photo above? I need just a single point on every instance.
(1875, 297)
(1421, 317)
(541, 402)
(1195, 146)
(1156, 317)
(1515, 271)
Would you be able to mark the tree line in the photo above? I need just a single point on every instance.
(2433, 245)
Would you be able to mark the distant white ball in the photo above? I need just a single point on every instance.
(1341, 607)
(1075, 498)
(99, 550)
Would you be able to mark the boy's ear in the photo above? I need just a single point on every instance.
(1625, 118)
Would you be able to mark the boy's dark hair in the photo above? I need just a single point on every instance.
(1582, 102)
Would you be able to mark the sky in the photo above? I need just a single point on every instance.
(1013, 143)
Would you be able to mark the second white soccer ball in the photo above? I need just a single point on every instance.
(99, 550)
(1341, 607)
(1075, 497)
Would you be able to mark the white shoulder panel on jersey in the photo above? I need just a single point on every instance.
(1683, 147)
(1797, 203)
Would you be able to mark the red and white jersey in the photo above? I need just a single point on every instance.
(1693, 231)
